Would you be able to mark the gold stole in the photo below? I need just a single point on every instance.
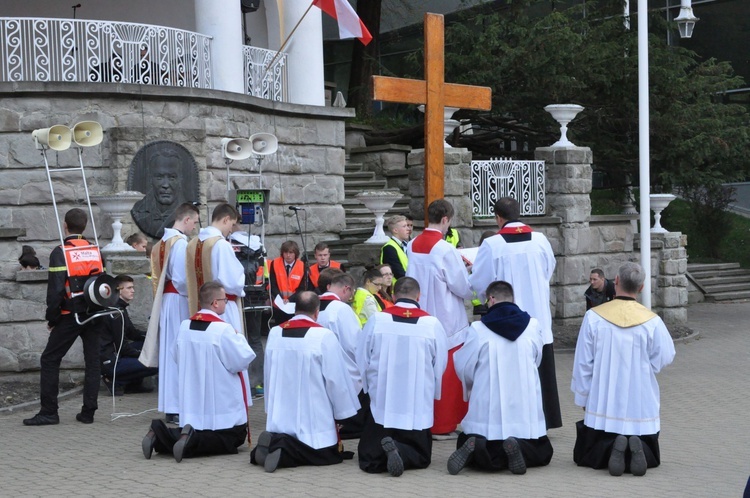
(198, 267)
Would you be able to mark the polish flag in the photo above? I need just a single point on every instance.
(350, 25)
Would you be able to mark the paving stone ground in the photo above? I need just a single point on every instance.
(704, 444)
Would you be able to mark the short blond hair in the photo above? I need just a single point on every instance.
(394, 220)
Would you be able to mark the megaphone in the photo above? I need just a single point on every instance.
(87, 133)
(236, 148)
(101, 291)
(264, 143)
(57, 137)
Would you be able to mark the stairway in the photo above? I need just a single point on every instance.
(360, 222)
(721, 281)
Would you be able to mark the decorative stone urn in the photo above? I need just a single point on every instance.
(563, 114)
(448, 124)
(117, 205)
(379, 202)
(659, 202)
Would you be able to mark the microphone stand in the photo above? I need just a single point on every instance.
(304, 250)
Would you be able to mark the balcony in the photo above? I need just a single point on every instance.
(68, 50)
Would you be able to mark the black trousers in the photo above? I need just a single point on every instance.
(295, 453)
(216, 442)
(593, 448)
(254, 327)
(548, 381)
(415, 447)
(351, 428)
(61, 338)
(489, 454)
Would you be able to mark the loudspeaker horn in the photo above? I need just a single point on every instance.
(57, 137)
(236, 148)
(87, 133)
(101, 291)
(264, 143)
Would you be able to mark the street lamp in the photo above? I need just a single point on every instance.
(686, 20)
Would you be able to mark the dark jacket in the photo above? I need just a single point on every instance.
(112, 333)
(594, 298)
(506, 320)
(57, 299)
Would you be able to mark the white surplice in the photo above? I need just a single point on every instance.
(307, 383)
(614, 371)
(443, 282)
(174, 309)
(340, 318)
(212, 369)
(402, 365)
(528, 266)
(501, 383)
(228, 271)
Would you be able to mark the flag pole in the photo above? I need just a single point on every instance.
(283, 45)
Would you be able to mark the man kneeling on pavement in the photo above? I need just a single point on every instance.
(212, 360)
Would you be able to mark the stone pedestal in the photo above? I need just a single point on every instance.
(457, 186)
(671, 289)
(568, 171)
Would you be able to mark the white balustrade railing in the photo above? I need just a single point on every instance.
(260, 79)
(522, 180)
(35, 49)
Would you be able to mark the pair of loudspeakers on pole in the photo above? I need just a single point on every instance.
(259, 144)
(60, 137)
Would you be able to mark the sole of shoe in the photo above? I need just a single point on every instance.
(178, 451)
(638, 463)
(261, 451)
(516, 463)
(272, 461)
(458, 460)
(395, 464)
(617, 457)
(147, 445)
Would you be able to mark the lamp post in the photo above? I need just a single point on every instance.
(686, 23)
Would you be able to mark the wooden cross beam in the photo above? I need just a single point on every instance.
(435, 94)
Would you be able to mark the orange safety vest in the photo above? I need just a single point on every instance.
(288, 284)
(83, 260)
(315, 271)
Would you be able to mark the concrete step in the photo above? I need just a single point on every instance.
(353, 212)
(358, 175)
(724, 280)
(696, 267)
(353, 166)
(728, 296)
(365, 185)
(701, 275)
(721, 288)
(356, 233)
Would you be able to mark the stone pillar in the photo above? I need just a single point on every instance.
(222, 20)
(671, 289)
(568, 185)
(305, 48)
(457, 186)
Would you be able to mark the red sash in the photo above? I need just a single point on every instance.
(206, 317)
(298, 323)
(169, 288)
(514, 228)
(405, 312)
(424, 242)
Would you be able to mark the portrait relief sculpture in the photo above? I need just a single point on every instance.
(168, 176)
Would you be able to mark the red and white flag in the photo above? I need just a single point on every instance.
(350, 25)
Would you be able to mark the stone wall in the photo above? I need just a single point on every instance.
(307, 170)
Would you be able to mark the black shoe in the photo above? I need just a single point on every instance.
(147, 445)
(113, 390)
(638, 463)
(272, 460)
(85, 419)
(261, 450)
(40, 419)
(395, 463)
(138, 388)
(179, 447)
(617, 457)
(516, 463)
(458, 460)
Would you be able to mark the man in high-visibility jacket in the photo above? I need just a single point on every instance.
(288, 275)
(323, 260)
(393, 252)
(64, 300)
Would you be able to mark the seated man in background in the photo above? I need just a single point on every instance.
(600, 291)
(121, 344)
(497, 365)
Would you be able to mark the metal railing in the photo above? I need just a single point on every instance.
(522, 180)
(36, 49)
(265, 83)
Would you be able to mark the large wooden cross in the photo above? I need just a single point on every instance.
(435, 94)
